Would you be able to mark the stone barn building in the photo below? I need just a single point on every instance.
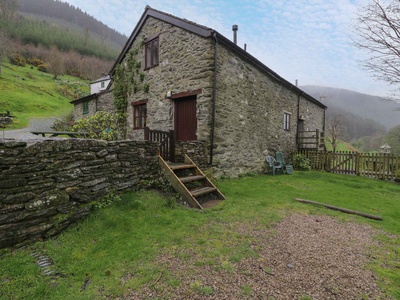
(219, 104)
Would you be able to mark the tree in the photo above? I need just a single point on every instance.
(8, 8)
(378, 33)
(4, 47)
(392, 138)
(56, 61)
(334, 126)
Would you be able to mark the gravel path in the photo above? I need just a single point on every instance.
(303, 257)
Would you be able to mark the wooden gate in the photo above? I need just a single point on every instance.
(342, 162)
(166, 140)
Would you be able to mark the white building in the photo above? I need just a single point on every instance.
(100, 84)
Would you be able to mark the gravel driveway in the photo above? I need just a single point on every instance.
(304, 257)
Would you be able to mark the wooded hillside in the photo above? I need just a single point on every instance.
(73, 15)
(57, 36)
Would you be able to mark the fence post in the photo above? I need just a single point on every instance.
(172, 145)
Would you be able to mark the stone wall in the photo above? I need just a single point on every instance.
(103, 101)
(49, 185)
(196, 150)
(250, 109)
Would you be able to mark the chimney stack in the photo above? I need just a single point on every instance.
(235, 29)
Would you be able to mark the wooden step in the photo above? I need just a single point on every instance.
(202, 191)
(191, 178)
(181, 166)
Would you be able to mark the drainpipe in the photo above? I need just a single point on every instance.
(298, 121)
(214, 97)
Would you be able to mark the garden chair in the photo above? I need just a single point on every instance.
(288, 168)
(272, 163)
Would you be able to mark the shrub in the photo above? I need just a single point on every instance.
(36, 62)
(64, 124)
(17, 60)
(43, 68)
(102, 126)
(301, 162)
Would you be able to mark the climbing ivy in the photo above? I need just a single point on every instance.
(128, 80)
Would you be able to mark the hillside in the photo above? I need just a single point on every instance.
(70, 16)
(63, 38)
(27, 92)
(366, 106)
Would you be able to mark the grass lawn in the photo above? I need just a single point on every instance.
(114, 249)
(28, 93)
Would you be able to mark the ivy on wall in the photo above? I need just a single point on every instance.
(128, 80)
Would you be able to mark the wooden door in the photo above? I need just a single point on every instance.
(185, 118)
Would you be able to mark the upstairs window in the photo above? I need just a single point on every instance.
(85, 107)
(139, 114)
(102, 84)
(151, 52)
(286, 121)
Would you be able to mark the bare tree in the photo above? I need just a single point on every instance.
(56, 60)
(8, 8)
(378, 33)
(4, 47)
(334, 127)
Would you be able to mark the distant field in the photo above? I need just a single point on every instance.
(28, 93)
(342, 146)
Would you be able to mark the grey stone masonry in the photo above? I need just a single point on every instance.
(49, 185)
(103, 101)
(186, 64)
(250, 110)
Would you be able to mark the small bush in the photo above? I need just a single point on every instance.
(36, 62)
(301, 162)
(44, 68)
(102, 126)
(64, 124)
(17, 60)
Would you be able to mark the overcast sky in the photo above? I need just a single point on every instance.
(307, 40)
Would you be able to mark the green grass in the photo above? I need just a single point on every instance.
(114, 249)
(28, 93)
(342, 146)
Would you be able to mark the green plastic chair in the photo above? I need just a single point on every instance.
(288, 168)
(273, 164)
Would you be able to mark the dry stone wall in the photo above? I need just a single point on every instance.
(47, 186)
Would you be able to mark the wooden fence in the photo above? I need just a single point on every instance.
(311, 140)
(379, 165)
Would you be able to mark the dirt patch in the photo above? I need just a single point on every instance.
(302, 257)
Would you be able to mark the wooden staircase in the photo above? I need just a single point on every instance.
(191, 183)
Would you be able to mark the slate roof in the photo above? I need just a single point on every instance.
(207, 33)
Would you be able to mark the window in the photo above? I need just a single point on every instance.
(102, 84)
(286, 121)
(151, 52)
(139, 114)
(85, 107)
